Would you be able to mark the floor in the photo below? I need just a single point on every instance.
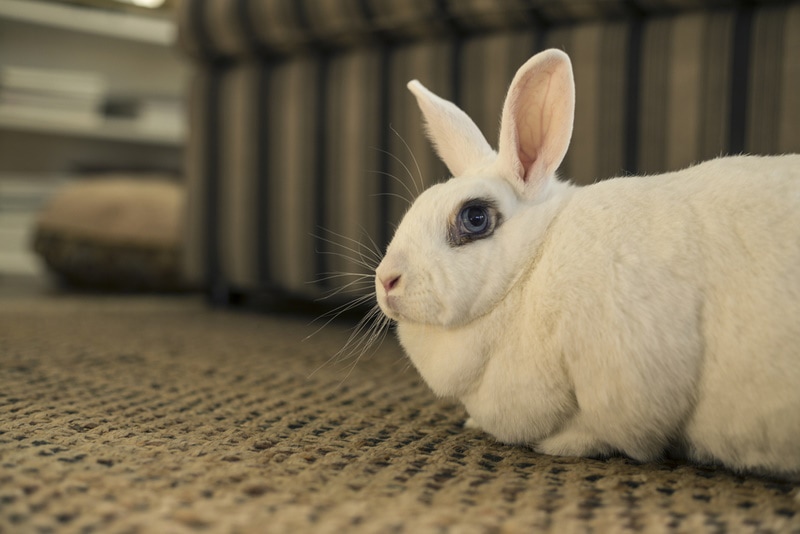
(146, 413)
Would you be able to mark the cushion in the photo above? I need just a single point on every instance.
(114, 232)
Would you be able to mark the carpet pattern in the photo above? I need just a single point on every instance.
(144, 414)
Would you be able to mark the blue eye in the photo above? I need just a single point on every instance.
(474, 220)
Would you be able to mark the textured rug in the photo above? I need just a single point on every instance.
(144, 414)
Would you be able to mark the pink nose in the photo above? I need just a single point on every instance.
(390, 282)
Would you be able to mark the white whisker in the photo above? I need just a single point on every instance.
(376, 335)
(360, 259)
(343, 274)
(336, 312)
(368, 333)
(403, 165)
(374, 253)
(402, 183)
(347, 306)
(368, 262)
(421, 185)
(375, 248)
(395, 195)
(357, 261)
(355, 285)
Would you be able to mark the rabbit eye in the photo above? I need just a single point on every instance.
(475, 220)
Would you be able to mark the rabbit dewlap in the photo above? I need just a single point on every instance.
(635, 315)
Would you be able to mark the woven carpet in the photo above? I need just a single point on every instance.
(151, 414)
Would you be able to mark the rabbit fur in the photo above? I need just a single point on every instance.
(639, 315)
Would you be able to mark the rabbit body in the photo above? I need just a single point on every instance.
(637, 314)
(653, 312)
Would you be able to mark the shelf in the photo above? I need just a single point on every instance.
(109, 129)
(91, 20)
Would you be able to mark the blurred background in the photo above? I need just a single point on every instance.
(88, 88)
(252, 148)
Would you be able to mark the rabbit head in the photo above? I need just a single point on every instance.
(462, 245)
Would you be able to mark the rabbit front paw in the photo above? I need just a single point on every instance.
(573, 442)
(471, 424)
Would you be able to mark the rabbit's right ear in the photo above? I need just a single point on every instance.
(457, 139)
(536, 125)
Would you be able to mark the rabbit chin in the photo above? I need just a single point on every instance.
(391, 307)
(403, 310)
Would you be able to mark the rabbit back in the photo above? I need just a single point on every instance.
(679, 300)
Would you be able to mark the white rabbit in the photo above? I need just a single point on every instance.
(636, 315)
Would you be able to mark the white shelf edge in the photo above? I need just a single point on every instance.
(91, 20)
(110, 130)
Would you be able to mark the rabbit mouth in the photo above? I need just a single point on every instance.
(390, 306)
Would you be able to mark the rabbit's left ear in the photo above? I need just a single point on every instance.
(457, 139)
(537, 119)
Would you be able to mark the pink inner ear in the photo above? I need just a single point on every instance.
(526, 159)
(537, 120)
(531, 124)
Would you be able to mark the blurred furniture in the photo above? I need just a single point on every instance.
(81, 89)
(304, 138)
(118, 232)
(122, 64)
